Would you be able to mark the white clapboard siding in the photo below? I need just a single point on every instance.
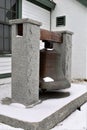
(5, 65)
(32, 11)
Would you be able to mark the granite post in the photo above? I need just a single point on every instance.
(25, 60)
(67, 54)
(65, 51)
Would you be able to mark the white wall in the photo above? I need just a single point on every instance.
(76, 21)
(32, 11)
(5, 65)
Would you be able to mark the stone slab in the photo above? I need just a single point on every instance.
(54, 107)
(25, 20)
(77, 119)
(7, 127)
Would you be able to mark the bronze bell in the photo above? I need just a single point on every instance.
(51, 73)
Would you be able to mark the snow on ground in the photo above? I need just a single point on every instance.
(6, 127)
(76, 121)
(45, 108)
(5, 88)
(5, 81)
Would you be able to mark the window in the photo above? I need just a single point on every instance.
(8, 10)
(2, 3)
(4, 38)
(60, 21)
(2, 15)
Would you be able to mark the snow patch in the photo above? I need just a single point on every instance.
(48, 79)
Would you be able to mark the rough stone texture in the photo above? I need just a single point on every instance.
(64, 63)
(66, 54)
(65, 49)
(25, 20)
(61, 114)
(50, 121)
(25, 62)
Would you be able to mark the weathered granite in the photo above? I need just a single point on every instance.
(25, 62)
(25, 20)
(64, 61)
(65, 49)
(67, 54)
(61, 114)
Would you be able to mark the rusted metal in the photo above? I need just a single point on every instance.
(48, 64)
(46, 35)
(50, 67)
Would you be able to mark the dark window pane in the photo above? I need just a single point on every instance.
(7, 4)
(8, 15)
(13, 15)
(8, 10)
(13, 5)
(1, 30)
(20, 29)
(2, 15)
(1, 44)
(6, 31)
(2, 3)
(6, 44)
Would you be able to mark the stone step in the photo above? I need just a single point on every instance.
(54, 107)
(7, 127)
(71, 122)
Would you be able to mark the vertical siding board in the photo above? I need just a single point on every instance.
(32, 11)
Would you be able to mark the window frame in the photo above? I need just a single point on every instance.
(3, 49)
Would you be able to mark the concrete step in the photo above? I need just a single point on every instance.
(54, 106)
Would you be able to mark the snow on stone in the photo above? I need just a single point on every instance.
(6, 127)
(48, 79)
(44, 109)
(76, 121)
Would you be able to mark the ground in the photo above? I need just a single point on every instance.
(76, 121)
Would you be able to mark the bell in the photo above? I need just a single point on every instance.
(51, 73)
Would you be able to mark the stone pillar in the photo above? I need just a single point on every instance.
(65, 50)
(25, 60)
(67, 54)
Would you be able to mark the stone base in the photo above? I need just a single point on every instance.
(55, 107)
